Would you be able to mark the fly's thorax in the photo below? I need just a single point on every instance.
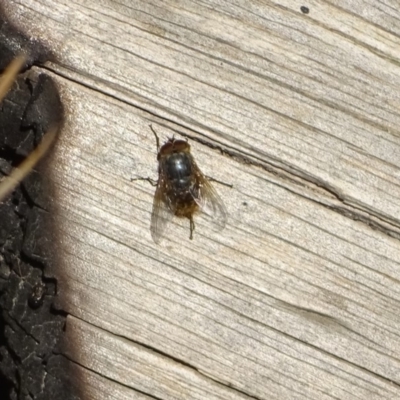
(178, 169)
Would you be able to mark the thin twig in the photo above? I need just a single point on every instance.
(9, 75)
(8, 184)
(19, 173)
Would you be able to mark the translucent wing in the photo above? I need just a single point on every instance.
(208, 199)
(162, 212)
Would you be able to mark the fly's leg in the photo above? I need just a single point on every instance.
(211, 179)
(191, 227)
(151, 181)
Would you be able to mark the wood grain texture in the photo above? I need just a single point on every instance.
(298, 298)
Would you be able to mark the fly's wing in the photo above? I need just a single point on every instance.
(162, 212)
(208, 199)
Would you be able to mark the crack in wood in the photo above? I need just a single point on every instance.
(285, 172)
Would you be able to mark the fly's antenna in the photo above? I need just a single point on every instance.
(156, 136)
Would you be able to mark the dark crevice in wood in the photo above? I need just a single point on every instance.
(284, 172)
(228, 385)
(108, 378)
(167, 356)
(188, 365)
(298, 178)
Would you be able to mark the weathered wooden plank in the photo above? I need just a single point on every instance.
(93, 385)
(260, 79)
(289, 286)
(298, 297)
(140, 368)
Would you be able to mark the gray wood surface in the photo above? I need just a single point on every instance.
(298, 298)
